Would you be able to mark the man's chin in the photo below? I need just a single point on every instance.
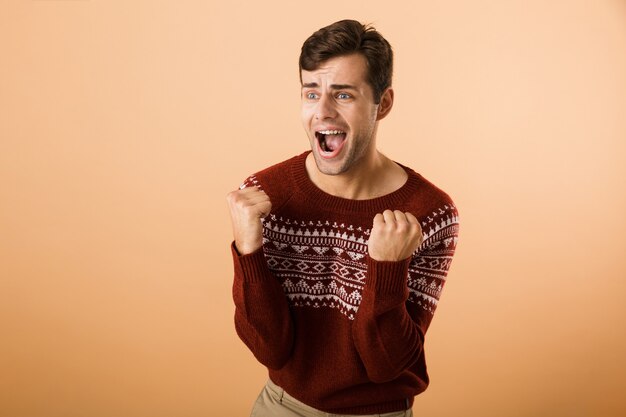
(333, 166)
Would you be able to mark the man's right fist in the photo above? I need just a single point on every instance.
(247, 206)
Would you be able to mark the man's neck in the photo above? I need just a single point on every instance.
(374, 178)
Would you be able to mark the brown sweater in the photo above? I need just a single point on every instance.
(338, 330)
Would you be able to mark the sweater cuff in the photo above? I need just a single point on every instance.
(251, 266)
(388, 276)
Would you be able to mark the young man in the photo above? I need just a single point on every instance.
(340, 254)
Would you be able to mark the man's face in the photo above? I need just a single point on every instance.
(338, 113)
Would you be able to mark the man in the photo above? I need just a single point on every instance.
(340, 254)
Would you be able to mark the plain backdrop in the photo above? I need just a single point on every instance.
(124, 124)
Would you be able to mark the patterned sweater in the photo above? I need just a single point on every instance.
(336, 329)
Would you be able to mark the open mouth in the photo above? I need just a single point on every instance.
(330, 141)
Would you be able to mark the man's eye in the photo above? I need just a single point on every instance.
(343, 95)
(311, 96)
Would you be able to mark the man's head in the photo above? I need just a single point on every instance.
(345, 74)
(347, 37)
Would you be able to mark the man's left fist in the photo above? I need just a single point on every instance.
(395, 236)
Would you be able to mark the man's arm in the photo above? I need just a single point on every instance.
(262, 318)
(387, 338)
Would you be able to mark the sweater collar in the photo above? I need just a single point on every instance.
(319, 197)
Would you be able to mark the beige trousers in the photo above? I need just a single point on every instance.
(273, 401)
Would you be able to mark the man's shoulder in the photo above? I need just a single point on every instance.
(432, 201)
(424, 188)
(276, 180)
(438, 212)
(274, 176)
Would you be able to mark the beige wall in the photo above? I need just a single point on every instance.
(124, 124)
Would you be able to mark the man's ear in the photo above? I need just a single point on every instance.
(386, 103)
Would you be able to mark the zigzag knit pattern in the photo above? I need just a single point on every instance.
(321, 263)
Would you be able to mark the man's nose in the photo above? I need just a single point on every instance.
(325, 108)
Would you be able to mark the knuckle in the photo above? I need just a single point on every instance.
(232, 197)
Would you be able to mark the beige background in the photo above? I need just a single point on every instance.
(124, 124)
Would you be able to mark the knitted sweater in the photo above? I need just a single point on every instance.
(337, 330)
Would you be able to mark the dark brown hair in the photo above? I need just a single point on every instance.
(346, 37)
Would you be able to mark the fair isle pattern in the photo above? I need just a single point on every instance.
(251, 181)
(431, 262)
(321, 264)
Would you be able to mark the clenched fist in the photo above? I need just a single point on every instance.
(395, 236)
(247, 206)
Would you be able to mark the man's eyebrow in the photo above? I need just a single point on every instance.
(332, 86)
(342, 87)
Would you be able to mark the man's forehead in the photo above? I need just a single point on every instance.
(352, 66)
(348, 70)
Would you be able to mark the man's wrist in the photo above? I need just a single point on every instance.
(244, 249)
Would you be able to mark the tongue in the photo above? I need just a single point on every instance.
(334, 141)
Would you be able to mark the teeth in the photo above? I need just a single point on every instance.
(331, 132)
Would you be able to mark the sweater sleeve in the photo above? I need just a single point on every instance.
(262, 317)
(398, 302)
